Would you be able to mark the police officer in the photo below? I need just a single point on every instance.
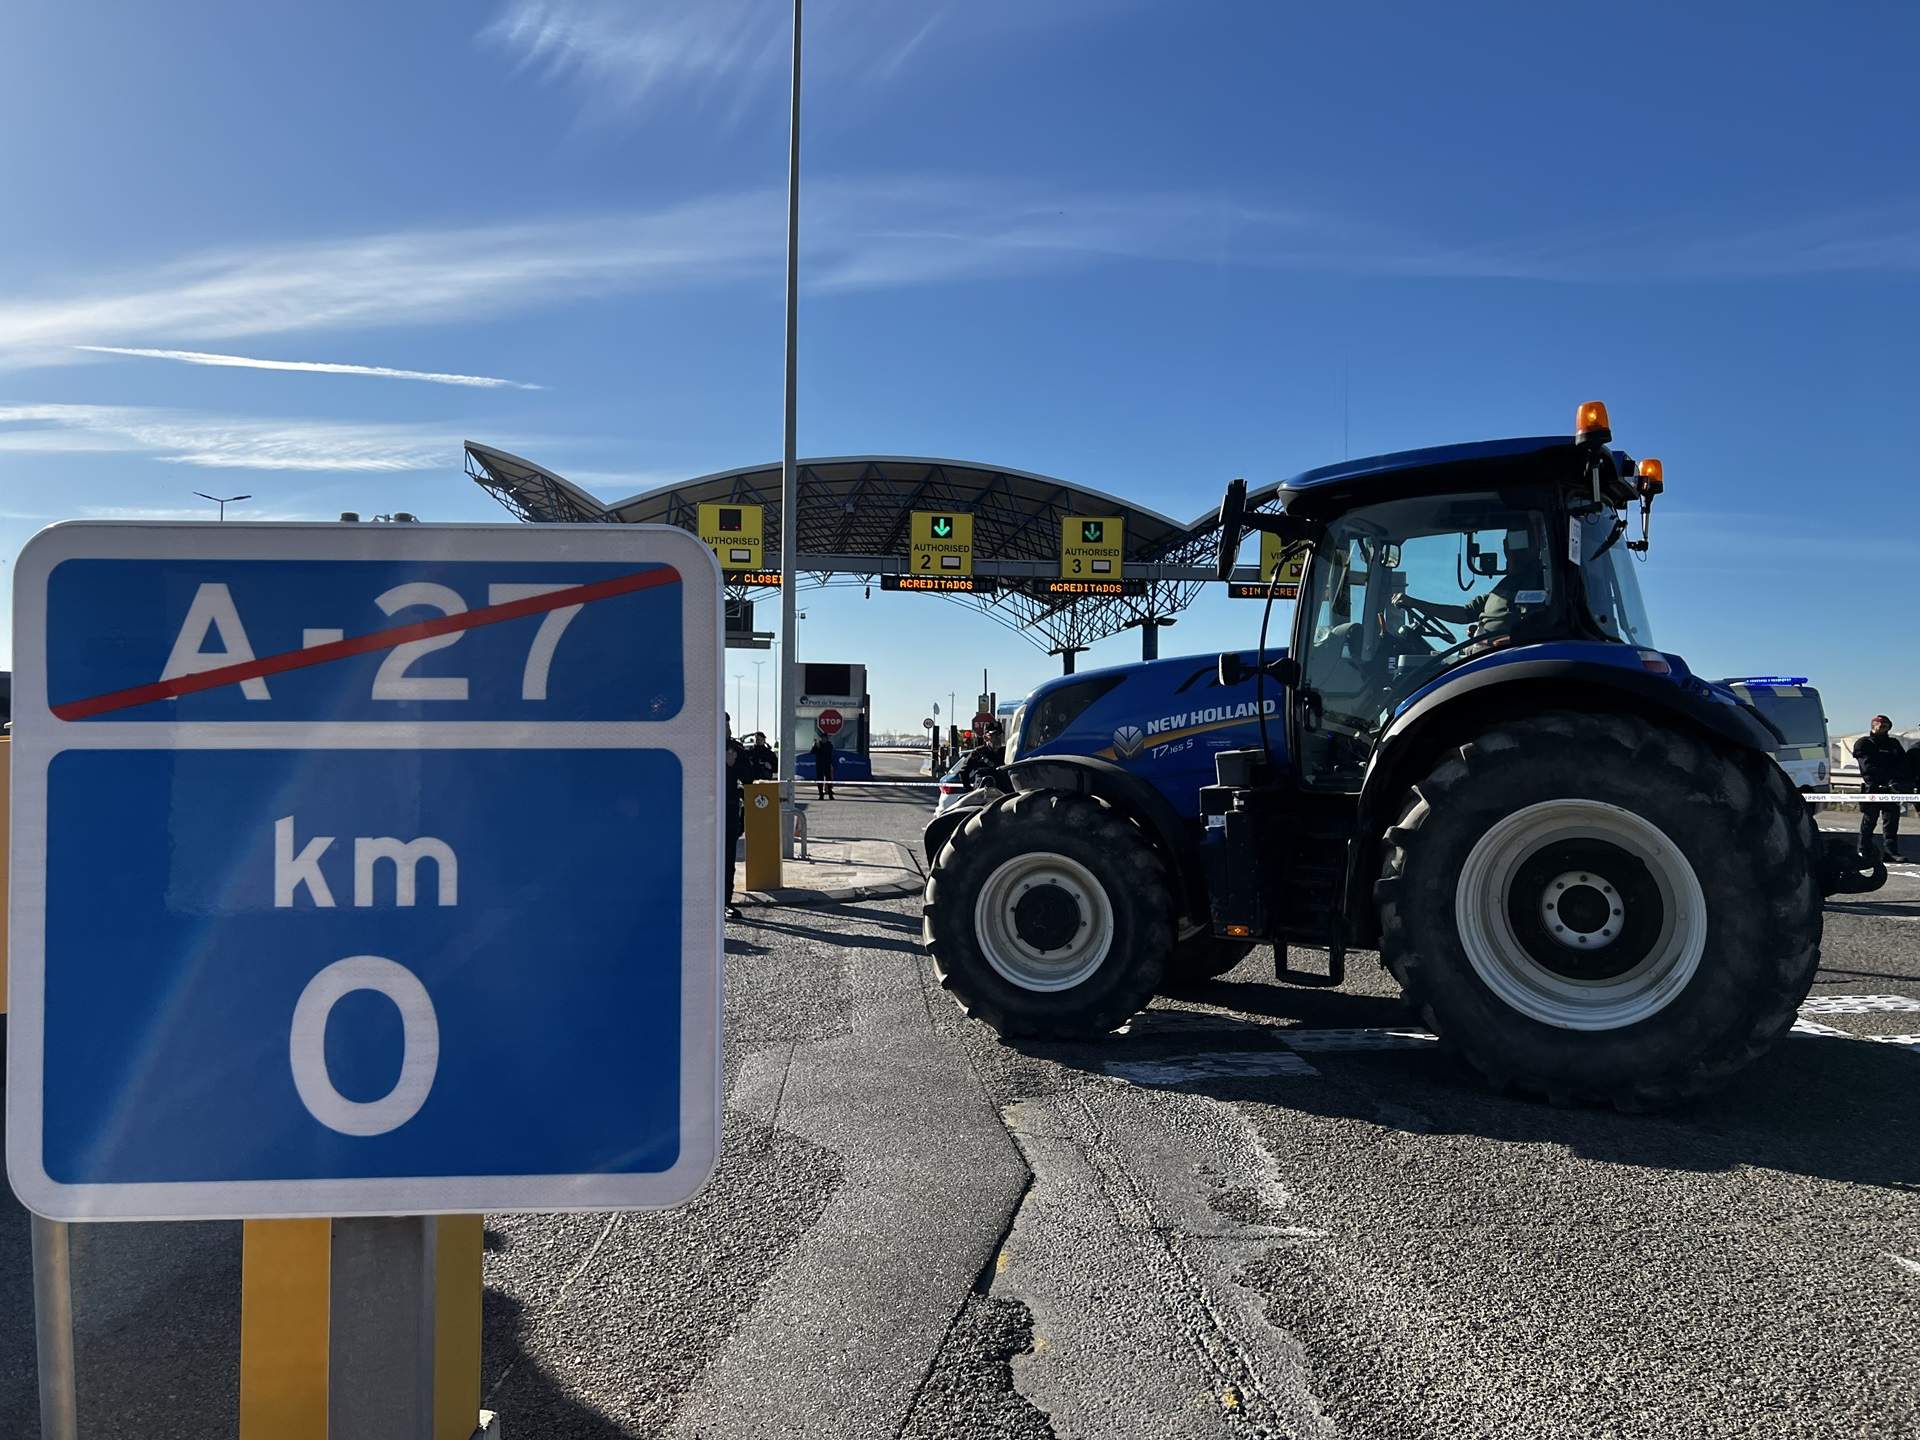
(1883, 771)
(822, 753)
(736, 811)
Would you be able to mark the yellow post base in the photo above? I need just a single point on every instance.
(284, 1291)
(763, 835)
(283, 1329)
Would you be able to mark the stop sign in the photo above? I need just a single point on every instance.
(828, 722)
(981, 722)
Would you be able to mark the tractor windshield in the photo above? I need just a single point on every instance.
(1613, 589)
(1400, 593)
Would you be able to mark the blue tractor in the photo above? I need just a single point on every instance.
(1577, 858)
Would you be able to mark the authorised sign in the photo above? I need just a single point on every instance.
(364, 870)
(1092, 547)
(942, 543)
(735, 533)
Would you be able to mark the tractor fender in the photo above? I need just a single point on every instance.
(1133, 797)
(947, 821)
(1549, 683)
(1453, 712)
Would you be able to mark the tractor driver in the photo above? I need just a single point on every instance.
(1494, 613)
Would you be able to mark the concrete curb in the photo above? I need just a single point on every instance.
(801, 898)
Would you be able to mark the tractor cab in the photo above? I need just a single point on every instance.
(1430, 561)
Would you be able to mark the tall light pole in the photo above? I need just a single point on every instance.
(221, 501)
(756, 696)
(738, 677)
(789, 463)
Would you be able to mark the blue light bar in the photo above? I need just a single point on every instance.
(1766, 680)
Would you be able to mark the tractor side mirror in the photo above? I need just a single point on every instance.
(1231, 671)
(1233, 515)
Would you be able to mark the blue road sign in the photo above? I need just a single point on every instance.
(364, 870)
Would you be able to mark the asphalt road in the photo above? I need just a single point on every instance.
(1262, 1211)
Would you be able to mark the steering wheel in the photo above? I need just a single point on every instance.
(1427, 625)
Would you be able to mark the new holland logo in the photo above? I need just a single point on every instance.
(1128, 739)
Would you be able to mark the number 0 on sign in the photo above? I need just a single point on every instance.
(364, 870)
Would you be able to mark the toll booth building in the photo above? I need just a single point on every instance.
(833, 704)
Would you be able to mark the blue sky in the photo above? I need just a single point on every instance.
(1142, 246)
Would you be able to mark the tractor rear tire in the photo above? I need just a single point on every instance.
(1201, 958)
(1597, 909)
(1048, 916)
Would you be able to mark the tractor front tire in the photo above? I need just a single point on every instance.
(1048, 917)
(1597, 909)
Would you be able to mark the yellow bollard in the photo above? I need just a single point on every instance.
(283, 1329)
(456, 1327)
(284, 1293)
(763, 835)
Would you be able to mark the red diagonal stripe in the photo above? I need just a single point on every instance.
(365, 644)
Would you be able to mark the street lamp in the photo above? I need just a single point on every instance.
(789, 463)
(222, 501)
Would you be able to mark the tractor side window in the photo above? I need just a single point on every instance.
(1613, 589)
(1403, 592)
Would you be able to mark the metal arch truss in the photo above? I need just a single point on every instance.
(854, 520)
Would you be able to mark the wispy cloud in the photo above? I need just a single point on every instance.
(311, 367)
(863, 235)
(219, 442)
(408, 277)
(619, 56)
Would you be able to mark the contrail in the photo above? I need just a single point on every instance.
(314, 367)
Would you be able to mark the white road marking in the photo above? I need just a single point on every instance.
(1190, 1069)
(1809, 1027)
(1857, 1004)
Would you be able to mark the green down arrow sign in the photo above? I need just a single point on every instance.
(942, 527)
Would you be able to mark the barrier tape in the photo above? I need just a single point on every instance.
(1855, 797)
(800, 780)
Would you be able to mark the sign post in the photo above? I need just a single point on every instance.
(334, 848)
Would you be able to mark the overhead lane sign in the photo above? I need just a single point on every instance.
(342, 842)
(1092, 547)
(1287, 561)
(735, 533)
(942, 584)
(942, 543)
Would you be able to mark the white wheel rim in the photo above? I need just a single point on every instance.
(1011, 949)
(1542, 991)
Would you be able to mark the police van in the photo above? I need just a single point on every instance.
(1793, 708)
